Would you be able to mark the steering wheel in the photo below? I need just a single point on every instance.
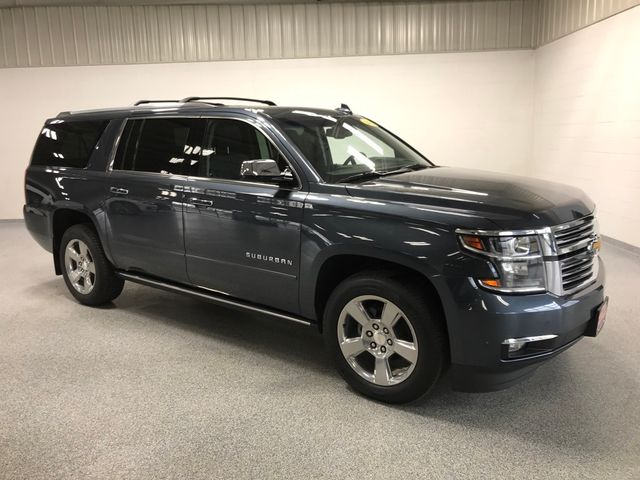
(352, 159)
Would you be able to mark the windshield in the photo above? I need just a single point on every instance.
(346, 146)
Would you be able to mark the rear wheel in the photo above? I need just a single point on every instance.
(386, 338)
(88, 274)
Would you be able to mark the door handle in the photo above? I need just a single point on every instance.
(199, 202)
(119, 191)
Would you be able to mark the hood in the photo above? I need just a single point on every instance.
(509, 201)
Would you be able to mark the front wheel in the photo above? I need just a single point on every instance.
(386, 338)
(86, 270)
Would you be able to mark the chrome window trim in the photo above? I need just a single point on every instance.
(139, 173)
(125, 120)
(241, 182)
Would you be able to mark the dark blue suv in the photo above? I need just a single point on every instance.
(321, 217)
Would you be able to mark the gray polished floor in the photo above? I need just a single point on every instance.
(162, 386)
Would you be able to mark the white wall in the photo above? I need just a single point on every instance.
(587, 118)
(467, 109)
(569, 111)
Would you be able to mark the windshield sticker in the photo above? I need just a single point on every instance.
(368, 122)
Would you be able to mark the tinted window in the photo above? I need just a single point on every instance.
(227, 144)
(163, 145)
(67, 144)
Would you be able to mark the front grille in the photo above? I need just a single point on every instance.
(578, 261)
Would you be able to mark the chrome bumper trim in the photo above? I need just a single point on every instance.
(537, 338)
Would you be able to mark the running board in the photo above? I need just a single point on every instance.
(210, 296)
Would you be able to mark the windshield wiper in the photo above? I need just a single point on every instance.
(380, 173)
(417, 167)
(362, 175)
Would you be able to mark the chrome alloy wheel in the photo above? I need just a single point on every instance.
(80, 267)
(377, 340)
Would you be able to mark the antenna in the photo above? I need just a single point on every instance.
(344, 108)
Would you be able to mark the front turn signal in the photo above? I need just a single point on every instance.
(472, 241)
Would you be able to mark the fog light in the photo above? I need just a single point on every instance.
(516, 345)
(524, 346)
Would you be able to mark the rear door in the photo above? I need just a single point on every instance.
(144, 208)
(242, 237)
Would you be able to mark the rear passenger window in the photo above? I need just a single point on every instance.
(67, 144)
(163, 145)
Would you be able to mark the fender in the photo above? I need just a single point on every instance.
(97, 218)
(309, 279)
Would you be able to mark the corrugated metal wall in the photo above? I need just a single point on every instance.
(97, 35)
(557, 18)
(93, 35)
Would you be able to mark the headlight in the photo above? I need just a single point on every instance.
(517, 260)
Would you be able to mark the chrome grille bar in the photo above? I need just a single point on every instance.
(563, 238)
(573, 244)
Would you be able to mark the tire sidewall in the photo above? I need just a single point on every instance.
(106, 285)
(421, 316)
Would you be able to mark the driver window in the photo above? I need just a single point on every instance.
(228, 143)
(350, 145)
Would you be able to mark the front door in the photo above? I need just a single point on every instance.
(144, 203)
(242, 238)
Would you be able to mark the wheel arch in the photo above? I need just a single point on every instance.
(61, 220)
(339, 264)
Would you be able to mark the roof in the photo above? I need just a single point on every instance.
(192, 107)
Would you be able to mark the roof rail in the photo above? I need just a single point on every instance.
(195, 99)
(141, 102)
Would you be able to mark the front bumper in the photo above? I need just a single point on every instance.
(479, 322)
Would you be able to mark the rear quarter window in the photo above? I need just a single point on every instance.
(67, 143)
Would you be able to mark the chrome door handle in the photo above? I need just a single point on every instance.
(119, 191)
(199, 202)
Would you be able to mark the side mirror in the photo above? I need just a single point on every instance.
(265, 170)
(260, 168)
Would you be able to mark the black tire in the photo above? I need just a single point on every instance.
(106, 286)
(423, 314)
